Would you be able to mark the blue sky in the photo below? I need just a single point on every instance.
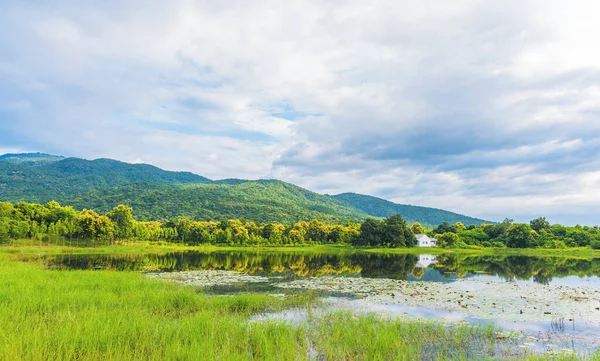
(486, 108)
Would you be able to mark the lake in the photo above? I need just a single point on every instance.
(554, 302)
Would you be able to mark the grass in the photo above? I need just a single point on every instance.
(32, 246)
(107, 315)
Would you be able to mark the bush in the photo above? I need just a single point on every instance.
(595, 244)
(554, 243)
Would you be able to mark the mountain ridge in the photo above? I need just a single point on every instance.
(379, 207)
(30, 159)
(155, 193)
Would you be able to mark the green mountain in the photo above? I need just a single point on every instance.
(156, 194)
(62, 179)
(262, 200)
(378, 207)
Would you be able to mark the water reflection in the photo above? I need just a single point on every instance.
(425, 260)
(424, 267)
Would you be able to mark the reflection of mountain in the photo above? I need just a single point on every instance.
(443, 268)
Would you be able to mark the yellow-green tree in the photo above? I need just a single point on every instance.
(417, 228)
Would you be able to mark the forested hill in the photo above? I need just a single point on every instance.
(378, 207)
(261, 201)
(157, 194)
(65, 178)
(31, 159)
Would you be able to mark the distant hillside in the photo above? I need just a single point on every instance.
(263, 201)
(64, 178)
(158, 194)
(30, 159)
(378, 207)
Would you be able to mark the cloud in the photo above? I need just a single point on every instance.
(486, 108)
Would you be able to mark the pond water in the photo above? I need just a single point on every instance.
(554, 302)
(423, 268)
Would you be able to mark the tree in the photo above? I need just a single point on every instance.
(6, 210)
(104, 228)
(4, 229)
(519, 236)
(86, 224)
(276, 235)
(448, 239)
(122, 217)
(396, 233)
(58, 213)
(581, 237)
(444, 228)
(539, 223)
(30, 211)
(316, 232)
(417, 228)
(370, 233)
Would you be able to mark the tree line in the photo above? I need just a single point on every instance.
(538, 233)
(54, 223)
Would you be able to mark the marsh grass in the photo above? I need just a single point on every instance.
(108, 315)
(342, 336)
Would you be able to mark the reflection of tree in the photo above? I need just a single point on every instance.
(386, 266)
(418, 272)
(302, 264)
(541, 269)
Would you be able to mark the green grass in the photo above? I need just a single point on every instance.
(107, 315)
(33, 246)
(54, 315)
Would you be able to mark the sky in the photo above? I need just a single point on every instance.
(486, 108)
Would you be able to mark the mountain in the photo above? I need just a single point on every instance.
(262, 201)
(155, 193)
(64, 178)
(30, 159)
(378, 207)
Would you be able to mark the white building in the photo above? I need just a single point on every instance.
(424, 241)
(425, 260)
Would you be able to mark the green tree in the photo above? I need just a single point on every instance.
(86, 224)
(519, 236)
(104, 229)
(58, 213)
(444, 228)
(417, 228)
(370, 233)
(6, 210)
(4, 229)
(396, 233)
(539, 224)
(448, 239)
(316, 231)
(122, 217)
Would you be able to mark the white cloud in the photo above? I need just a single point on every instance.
(475, 106)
